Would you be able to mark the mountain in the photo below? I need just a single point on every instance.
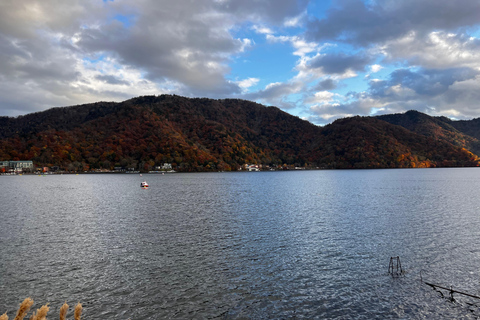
(199, 134)
(369, 142)
(465, 134)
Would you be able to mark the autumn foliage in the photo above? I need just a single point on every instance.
(212, 135)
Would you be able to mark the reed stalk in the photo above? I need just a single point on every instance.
(63, 311)
(78, 311)
(23, 309)
(41, 314)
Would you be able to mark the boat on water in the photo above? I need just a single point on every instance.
(144, 184)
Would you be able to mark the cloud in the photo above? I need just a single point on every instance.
(375, 68)
(56, 50)
(322, 114)
(301, 46)
(111, 79)
(327, 84)
(275, 12)
(192, 49)
(430, 82)
(436, 92)
(295, 21)
(55, 53)
(429, 38)
(262, 30)
(247, 83)
(339, 63)
(451, 92)
(324, 98)
(363, 23)
(28, 18)
(277, 94)
(437, 49)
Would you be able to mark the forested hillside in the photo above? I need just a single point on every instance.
(199, 134)
(367, 142)
(464, 134)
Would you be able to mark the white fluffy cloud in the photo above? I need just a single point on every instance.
(375, 68)
(247, 83)
(438, 49)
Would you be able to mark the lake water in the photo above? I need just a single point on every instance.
(243, 245)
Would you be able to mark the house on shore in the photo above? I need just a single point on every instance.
(252, 167)
(16, 166)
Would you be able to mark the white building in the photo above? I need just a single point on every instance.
(17, 166)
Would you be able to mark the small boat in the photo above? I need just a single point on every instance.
(144, 184)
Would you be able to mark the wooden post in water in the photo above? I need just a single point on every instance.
(395, 267)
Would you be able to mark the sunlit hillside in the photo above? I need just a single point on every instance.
(194, 134)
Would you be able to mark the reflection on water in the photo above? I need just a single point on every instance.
(309, 244)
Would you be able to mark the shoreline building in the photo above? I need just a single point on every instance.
(16, 166)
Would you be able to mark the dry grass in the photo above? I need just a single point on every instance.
(41, 314)
(23, 309)
(78, 311)
(63, 311)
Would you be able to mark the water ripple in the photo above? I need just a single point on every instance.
(281, 245)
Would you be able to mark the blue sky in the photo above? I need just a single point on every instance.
(319, 60)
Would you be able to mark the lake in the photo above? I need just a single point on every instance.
(243, 245)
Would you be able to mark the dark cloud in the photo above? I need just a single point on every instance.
(327, 84)
(356, 22)
(339, 63)
(111, 79)
(274, 12)
(326, 113)
(276, 94)
(423, 82)
(32, 61)
(272, 92)
(25, 19)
